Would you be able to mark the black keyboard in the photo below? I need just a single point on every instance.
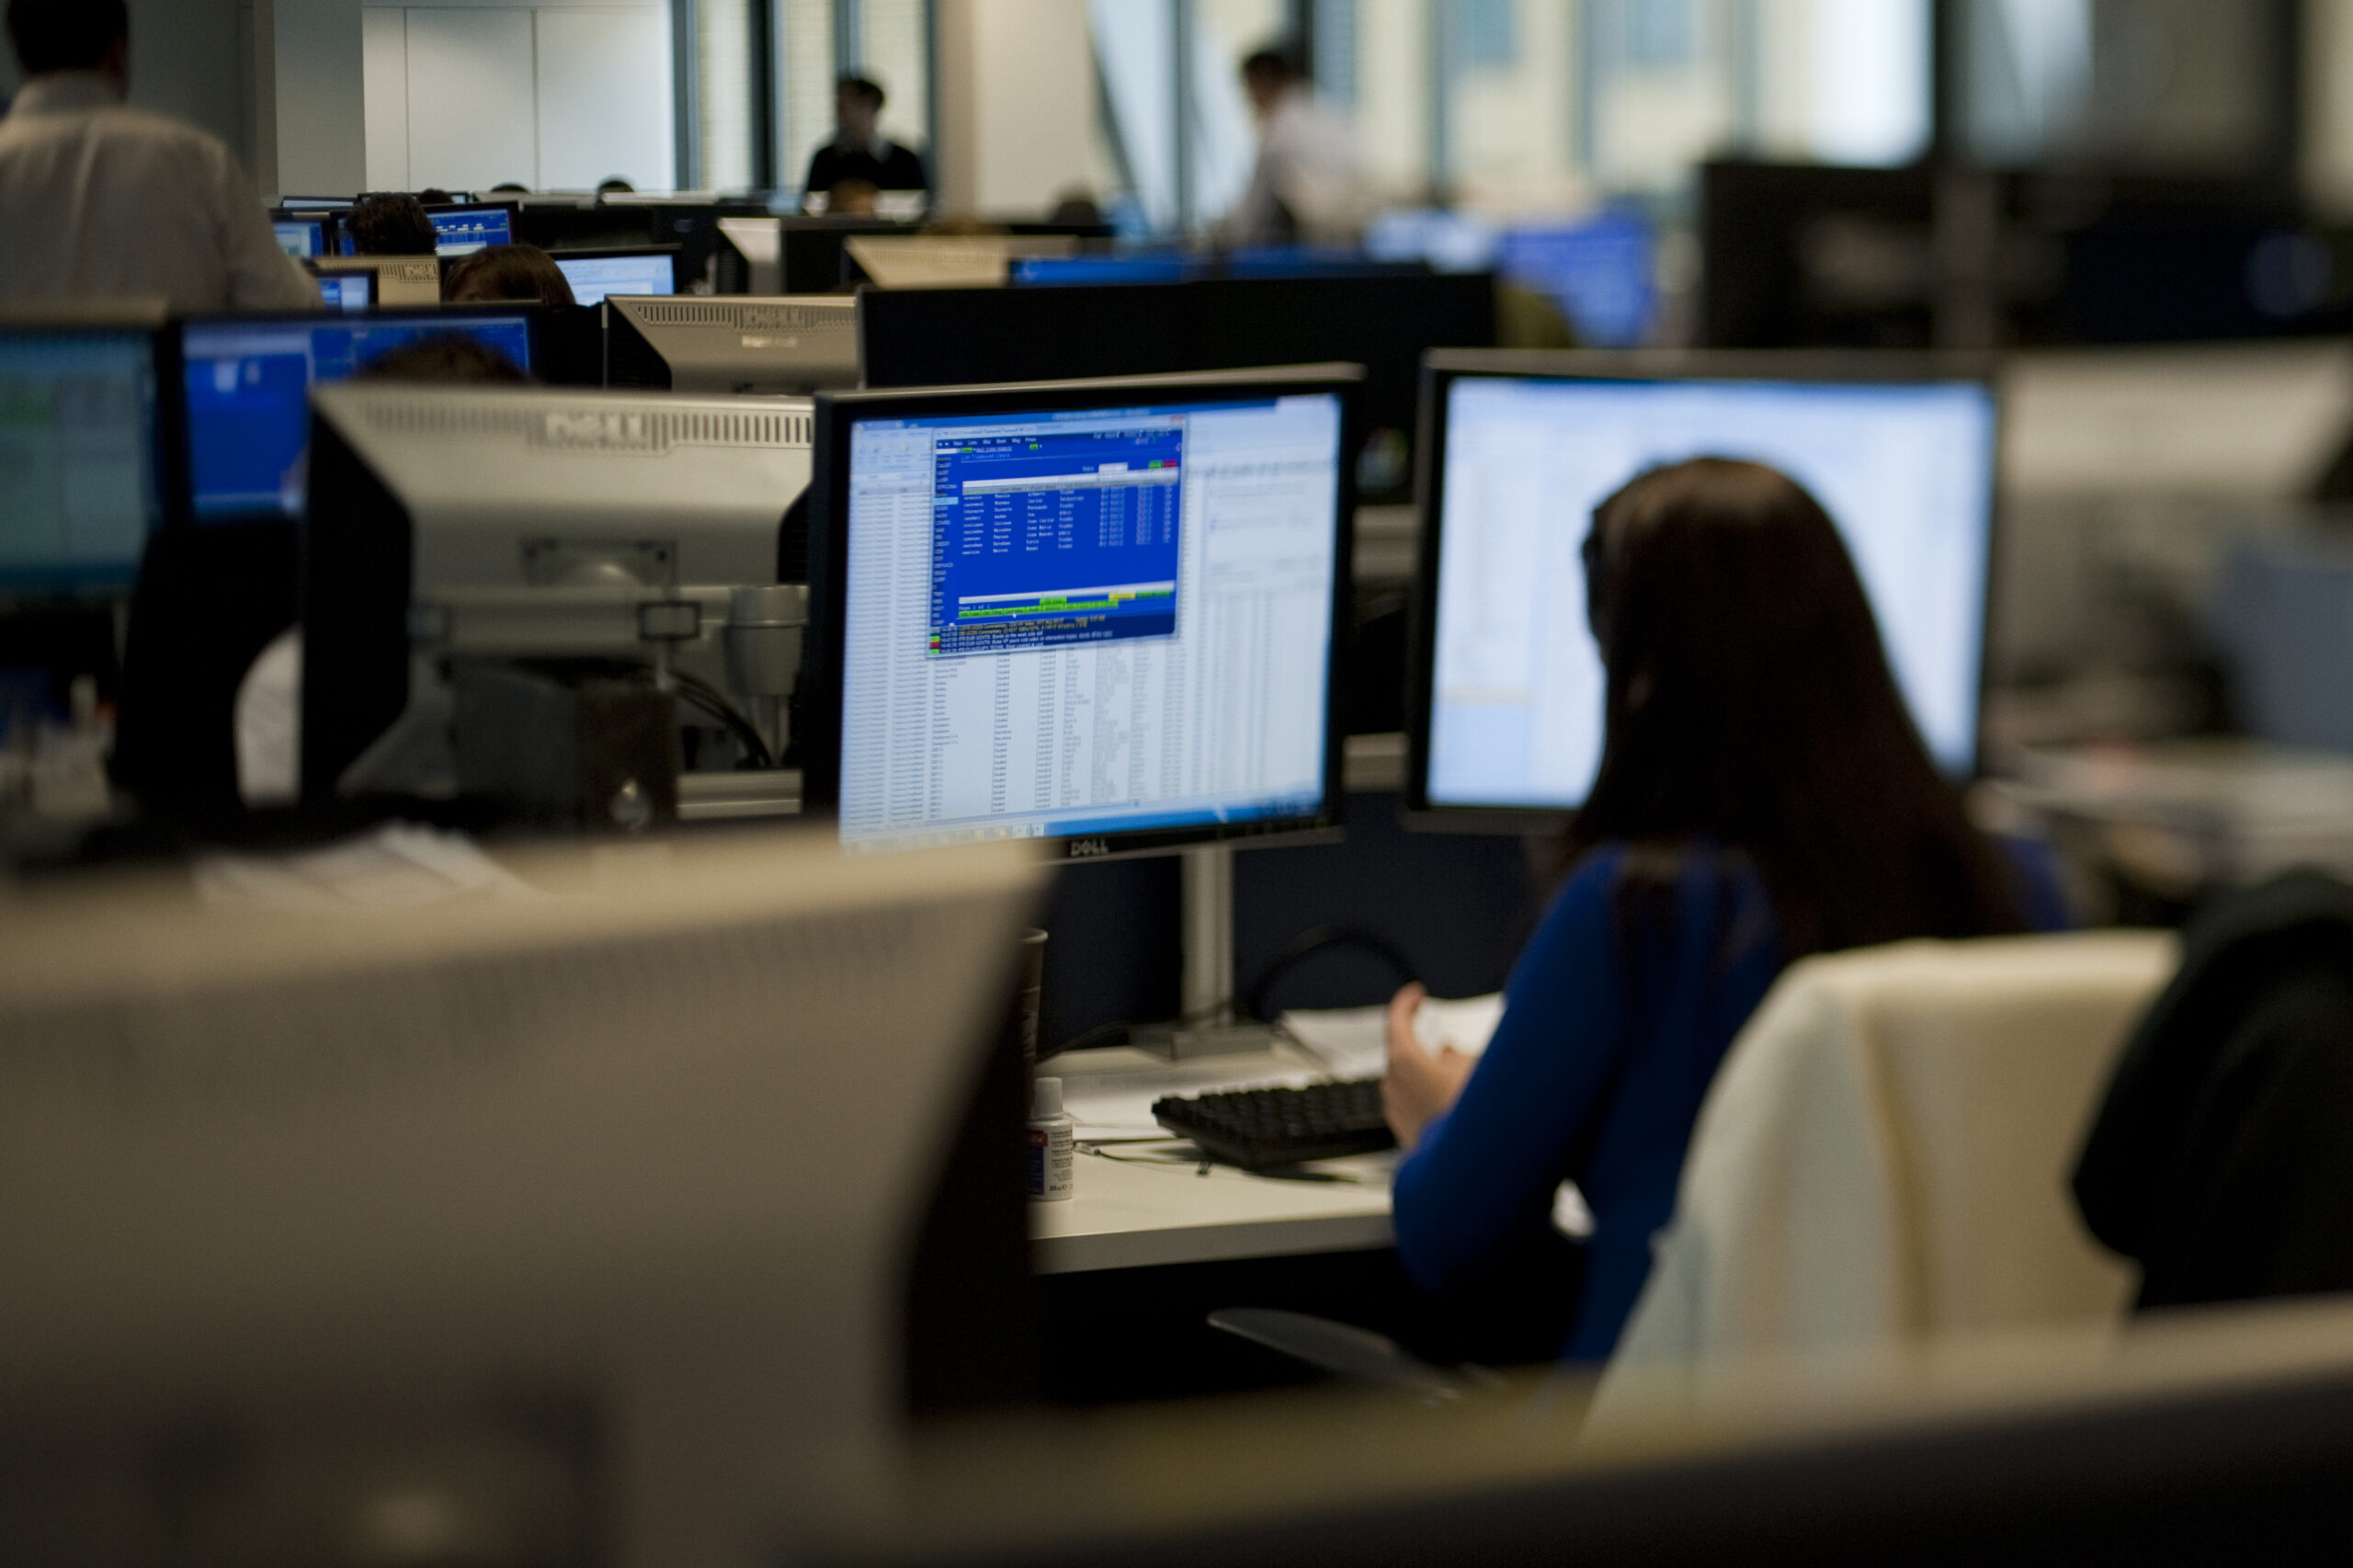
(1259, 1128)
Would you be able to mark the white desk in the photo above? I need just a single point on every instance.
(1127, 1214)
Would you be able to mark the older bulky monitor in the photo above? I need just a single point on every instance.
(788, 343)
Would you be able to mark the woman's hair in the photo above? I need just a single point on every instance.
(1749, 703)
(506, 272)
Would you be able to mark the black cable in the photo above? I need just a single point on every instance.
(1315, 940)
(714, 702)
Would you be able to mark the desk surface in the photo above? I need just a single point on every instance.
(1140, 1205)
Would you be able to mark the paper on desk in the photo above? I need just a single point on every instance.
(1354, 1042)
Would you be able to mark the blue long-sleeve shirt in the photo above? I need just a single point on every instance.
(1596, 1074)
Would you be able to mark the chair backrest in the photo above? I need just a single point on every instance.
(1884, 1153)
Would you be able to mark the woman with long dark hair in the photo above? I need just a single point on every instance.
(1762, 795)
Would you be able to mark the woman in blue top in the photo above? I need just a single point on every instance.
(1762, 795)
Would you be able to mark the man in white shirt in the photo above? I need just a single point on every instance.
(99, 200)
(1309, 186)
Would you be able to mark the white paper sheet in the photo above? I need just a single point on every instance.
(1354, 1042)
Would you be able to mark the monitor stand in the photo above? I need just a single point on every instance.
(1207, 1024)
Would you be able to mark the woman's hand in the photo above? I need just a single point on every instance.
(1420, 1084)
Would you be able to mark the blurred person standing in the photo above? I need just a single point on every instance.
(1309, 186)
(100, 200)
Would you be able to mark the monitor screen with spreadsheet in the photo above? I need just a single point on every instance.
(348, 293)
(246, 383)
(1103, 614)
(79, 457)
(1508, 700)
(597, 274)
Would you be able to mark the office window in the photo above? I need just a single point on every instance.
(805, 74)
(2158, 86)
(1510, 141)
(894, 38)
(726, 77)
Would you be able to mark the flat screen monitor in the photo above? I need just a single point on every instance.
(348, 293)
(246, 383)
(1102, 614)
(300, 233)
(460, 230)
(1505, 712)
(80, 445)
(594, 274)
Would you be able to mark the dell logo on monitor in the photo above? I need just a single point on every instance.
(1081, 848)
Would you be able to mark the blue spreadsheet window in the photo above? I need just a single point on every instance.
(247, 387)
(461, 231)
(1043, 540)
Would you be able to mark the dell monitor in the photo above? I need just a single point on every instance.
(594, 274)
(783, 344)
(1506, 711)
(1101, 614)
(467, 524)
(246, 389)
(80, 459)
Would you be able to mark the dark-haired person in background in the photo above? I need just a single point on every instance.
(506, 272)
(858, 151)
(100, 200)
(1762, 795)
(390, 224)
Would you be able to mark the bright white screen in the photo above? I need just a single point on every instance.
(594, 277)
(1077, 624)
(1905, 471)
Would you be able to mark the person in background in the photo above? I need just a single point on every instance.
(434, 196)
(508, 187)
(506, 272)
(1309, 186)
(616, 185)
(858, 151)
(1762, 795)
(390, 224)
(100, 200)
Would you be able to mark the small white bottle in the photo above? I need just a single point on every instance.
(1050, 1137)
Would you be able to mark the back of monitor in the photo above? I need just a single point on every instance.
(400, 279)
(645, 1125)
(786, 344)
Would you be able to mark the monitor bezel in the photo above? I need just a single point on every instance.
(180, 509)
(1442, 368)
(166, 452)
(838, 413)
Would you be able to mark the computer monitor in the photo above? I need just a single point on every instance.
(594, 274)
(1505, 710)
(462, 228)
(512, 523)
(246, 384)
(916, 337)
(400, 281)
(472, 227)
(81, 453)
(1103, 614)
(300, 233)
(785, 344)
(348, 293)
